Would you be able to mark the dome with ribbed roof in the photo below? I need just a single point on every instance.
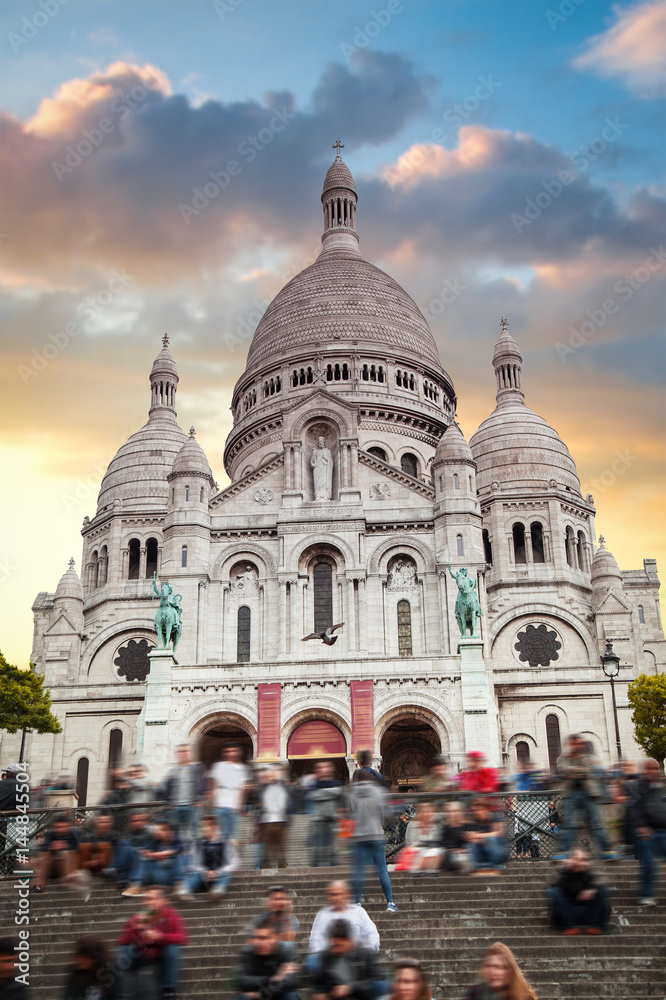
(192, 458)
(339, 176)
(69, 587)
(137, 474)
(342, 300)
(605, 570)
(514, 446)
(453, 446)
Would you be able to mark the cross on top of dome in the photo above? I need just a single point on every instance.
(337, 145)
(192, 432)
(165, 340)
(504, 324)
(602, 542)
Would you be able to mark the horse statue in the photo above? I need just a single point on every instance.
(468, 608)
(168, 624)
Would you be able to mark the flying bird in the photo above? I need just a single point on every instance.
(325, 636)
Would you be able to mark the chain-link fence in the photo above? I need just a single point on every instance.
(18, 835)
(531, 819)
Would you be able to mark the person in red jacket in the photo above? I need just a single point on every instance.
(155, 937)
(477, 778)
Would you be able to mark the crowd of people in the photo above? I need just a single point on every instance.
(463, 823)
(342, 958)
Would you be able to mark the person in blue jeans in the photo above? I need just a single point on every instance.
(210, 867)
(367, 805)
(578, 771)
(485, 835)
(162, 861)
(156, 936)
(648, 816)
(129, 849)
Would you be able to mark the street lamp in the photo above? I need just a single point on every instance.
(610, 663)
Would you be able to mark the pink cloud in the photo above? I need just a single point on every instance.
(633, 49)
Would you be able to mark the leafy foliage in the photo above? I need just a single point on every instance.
(647, 697)
(24, 704)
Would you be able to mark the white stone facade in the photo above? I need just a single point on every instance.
(343, 353)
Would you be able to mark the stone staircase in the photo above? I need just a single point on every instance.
(446, 921)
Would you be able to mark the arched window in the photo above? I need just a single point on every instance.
(115, 748)
(183, 557)
(553, 740)
(459, 545)
(404, 629)
(536, 534)
(103, 566)
(487, 547)
(244, 635)
(456, 484)
(378, 453)
(522, 752)
(151, 557)
(569, 547)
(641, 614)
(82, 769)
(201, 495)
(187, 494)
(134, 559)
(409, 464)
(519, 543)
(580, 551)
(94, 568)
(322, 576)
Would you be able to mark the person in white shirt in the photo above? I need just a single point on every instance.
(274, 799)
(227, 788)
(339, 907)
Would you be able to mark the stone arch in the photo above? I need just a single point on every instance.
(600, 749)
(410, 448)
(73, 757)
(442, 721)
(316, 412)
(549, 611)
(209, 743)
(113, 632)
(226, 559)
(129, 735)
(293, 557)
(423, 555)
(310, 714)
(384, 445)
(207, 713)
(517, 737)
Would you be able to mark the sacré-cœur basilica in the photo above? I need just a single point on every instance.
(354, 499)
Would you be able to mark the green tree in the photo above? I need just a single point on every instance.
(24, 703)
(647, 697)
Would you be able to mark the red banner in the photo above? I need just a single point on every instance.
(268, 729)
(363, 716)
(315, 740)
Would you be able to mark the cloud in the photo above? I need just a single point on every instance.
(98, 177)
(633, 49)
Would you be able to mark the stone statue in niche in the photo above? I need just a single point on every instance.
(246, 582)
(322, 471)
(402, 575)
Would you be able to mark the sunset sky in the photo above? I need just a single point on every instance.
(512, 151)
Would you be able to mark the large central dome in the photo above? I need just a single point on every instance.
(339, 300)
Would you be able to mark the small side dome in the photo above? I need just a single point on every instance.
(192, 458)
(69, 588)
(605, 570)
(453, 446)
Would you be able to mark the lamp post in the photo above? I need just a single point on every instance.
(610, 663)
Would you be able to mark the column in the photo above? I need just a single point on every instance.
(298, 467)
(142, 562)
(288, 464)
(351, 624)
(431, 597)
(282, 625)
(444, 611)
(362, 614)
(202, 609)
(124, 555)
(297, 594)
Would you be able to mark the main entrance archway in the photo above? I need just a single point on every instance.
(407, 747)
(316, 740)
(220, 733)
